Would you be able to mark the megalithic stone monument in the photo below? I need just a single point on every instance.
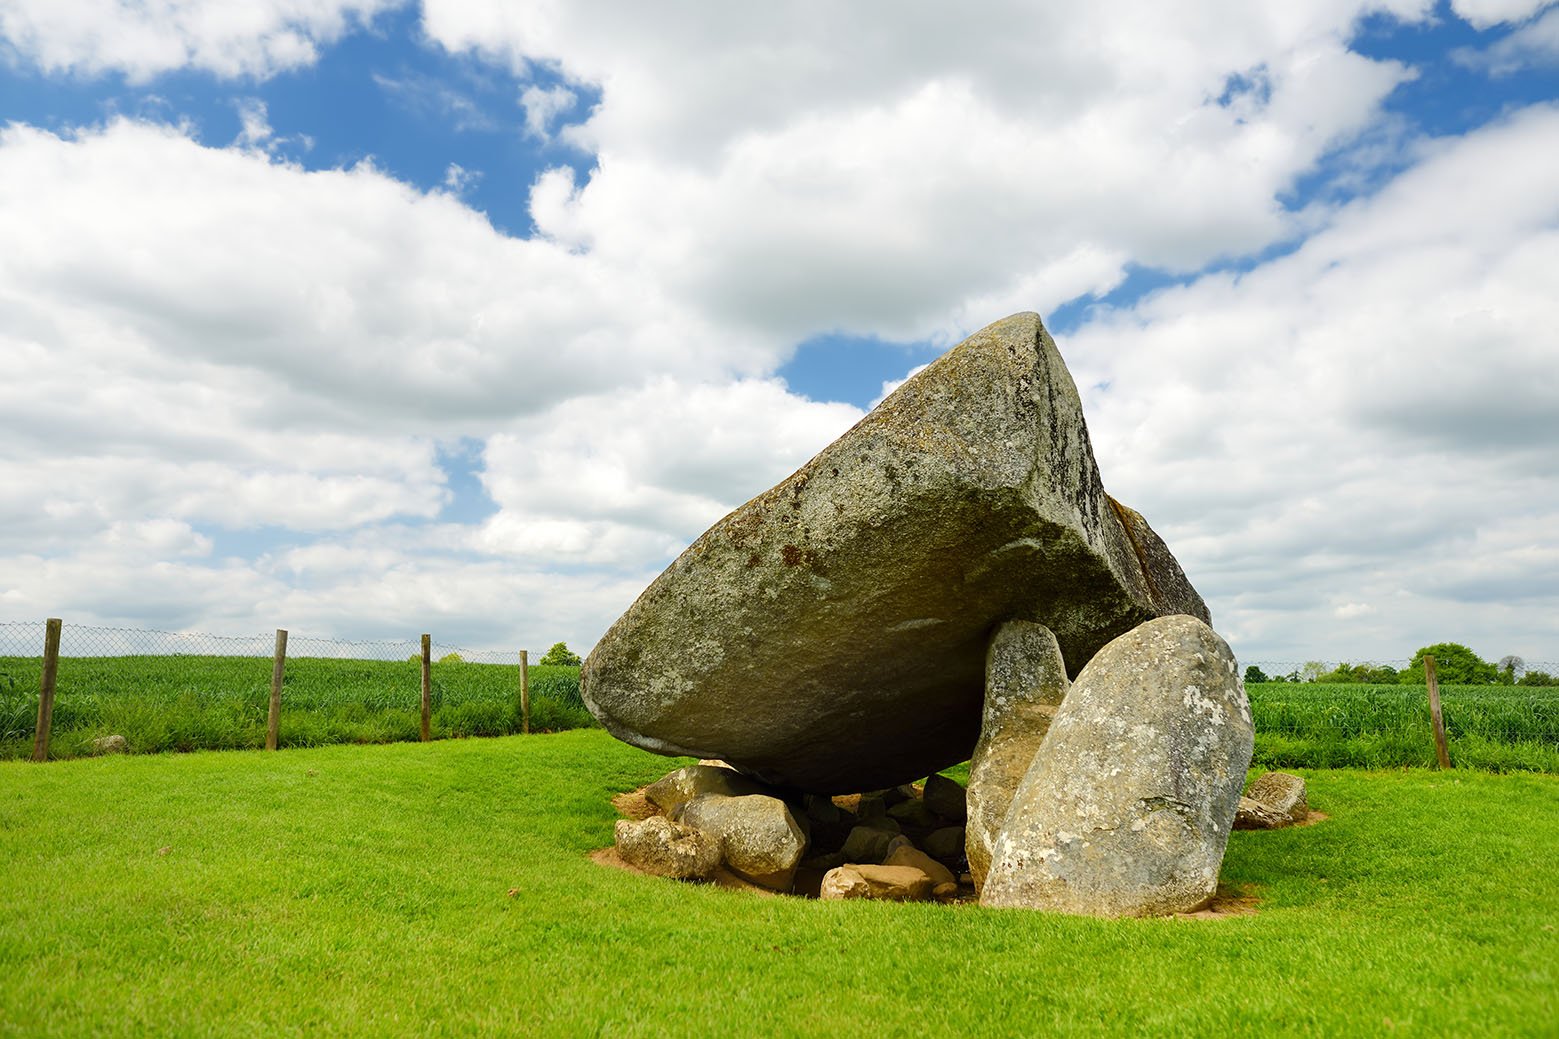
(831, 634)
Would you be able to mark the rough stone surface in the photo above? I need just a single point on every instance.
(667, 849)
(946, 799)
(906, 854)
(676, 789)
(1127, 807)
(115, 744)
(759, 839)
(1275, 800)
(1025, 681)
(830, 634)
(946, 844)
(884, 883)
(867, 844)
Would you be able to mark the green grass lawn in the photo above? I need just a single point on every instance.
(367, 890)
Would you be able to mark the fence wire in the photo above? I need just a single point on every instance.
(187, 690)
(25, 639)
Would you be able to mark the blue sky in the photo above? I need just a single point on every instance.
(364, 317)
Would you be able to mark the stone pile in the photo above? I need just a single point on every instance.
(902, 844)
(946, 581)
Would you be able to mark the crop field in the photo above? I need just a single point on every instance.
(181, 703)
(444, 889)
(1500, 728)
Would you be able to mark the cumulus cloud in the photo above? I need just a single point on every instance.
(1534, 45)
(542, 106)
(1368, 421)
(257, 38)
(900, 176)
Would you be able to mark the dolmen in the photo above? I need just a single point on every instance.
(949, 581)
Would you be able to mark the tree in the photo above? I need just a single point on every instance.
(1511, 668)
(1455, 664)
(1361, 674)
(1255, 674)
(560, 655)
(1538, 678)
(1312, 670)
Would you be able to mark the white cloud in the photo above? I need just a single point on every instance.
(802, 167)
(1484, 14)
(1533, 45)
(1367, 420)
(256, 38)
(544, 106)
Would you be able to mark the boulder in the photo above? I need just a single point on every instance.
(913, 813)
(759, 839)
(667, 849)
(830, 634)
(945, 845)
(946, 799)
(1025, 681)
(883, 883)
(867, 844)
(1127, 807)
(1274, 800)
(676, 789)
(903, 853)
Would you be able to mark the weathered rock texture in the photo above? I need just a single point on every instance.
(1275, 800)
(830, 634)
(1025, 681)
(884, 883)
(667, 849)
(676, 789)
(1127, 808)
(759, 839)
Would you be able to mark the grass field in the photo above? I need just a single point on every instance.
(161, 703)
(443, 889)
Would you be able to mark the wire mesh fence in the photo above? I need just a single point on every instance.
(142, 690)
(183, 691)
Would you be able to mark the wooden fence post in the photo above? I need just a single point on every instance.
(1436, 719)
(51, 669)
(427, 688)
(278, 669)
(525, 692)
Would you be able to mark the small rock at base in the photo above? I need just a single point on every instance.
(867, 844)
(759, 838)
(1274, 800)
(667, 849)
(114, 744)
(946, 799)
(881, 883)
(946, 844)
(906, 854)
(945, 892)
(676, 789)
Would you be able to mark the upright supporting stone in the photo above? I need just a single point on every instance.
(1025, 681)
(1126, 810)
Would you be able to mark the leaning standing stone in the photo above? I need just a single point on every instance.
(1025, 681)
(1126, 809)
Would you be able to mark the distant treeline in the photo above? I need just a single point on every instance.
(1455, 664)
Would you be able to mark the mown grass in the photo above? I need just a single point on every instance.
(443, 889)
(1499, 728)
(181, 703)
